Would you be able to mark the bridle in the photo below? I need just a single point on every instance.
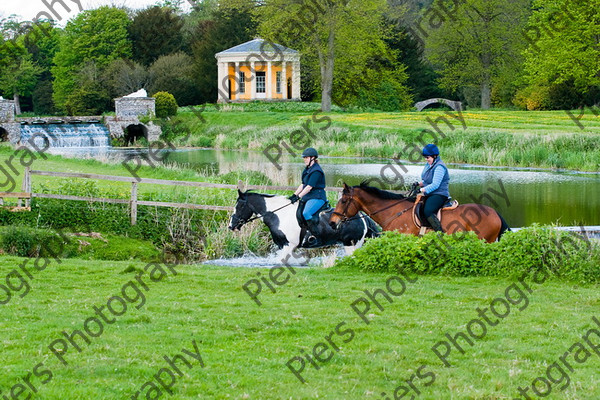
(244, 221)
(345, 218)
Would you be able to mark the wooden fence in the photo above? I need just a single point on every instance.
(26, 195)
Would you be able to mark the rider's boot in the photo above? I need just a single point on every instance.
(314, 234)
(435, 223)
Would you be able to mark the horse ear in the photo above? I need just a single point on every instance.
(345, 186)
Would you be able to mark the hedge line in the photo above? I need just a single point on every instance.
(566, 255)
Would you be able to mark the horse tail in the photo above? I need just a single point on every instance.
(504, 226)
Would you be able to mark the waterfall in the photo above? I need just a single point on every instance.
(85, 134)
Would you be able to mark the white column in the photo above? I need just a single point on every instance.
(222, 92)
(283, 80)
(252, 80)
(269, 81)
(296, 80)
(236, 81)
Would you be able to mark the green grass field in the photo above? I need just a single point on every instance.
(245, 348)
(549, 139)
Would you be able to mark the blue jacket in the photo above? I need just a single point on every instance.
(436, 178)
(314, 177)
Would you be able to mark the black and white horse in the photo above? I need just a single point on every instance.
(280, 217)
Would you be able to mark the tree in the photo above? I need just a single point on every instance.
(481, 44)
(229, 27)
(122, 77)
(174, 73)
(422, 79)
(332, 34)
(564, 47)
(98, 35)
(90, 96)
(19, 79)
(155, 32)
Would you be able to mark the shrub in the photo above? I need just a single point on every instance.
(532, 98)
(530, 251)
(166, 106)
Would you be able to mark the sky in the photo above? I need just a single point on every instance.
(28, 9)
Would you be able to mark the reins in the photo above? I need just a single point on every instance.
(366, 214)
(258, 215)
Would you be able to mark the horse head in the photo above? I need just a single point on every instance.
(243, 212)
(347, 207)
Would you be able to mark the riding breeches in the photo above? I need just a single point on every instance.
(433, 203)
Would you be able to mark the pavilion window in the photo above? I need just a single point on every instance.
(242, 79)
(278, 82)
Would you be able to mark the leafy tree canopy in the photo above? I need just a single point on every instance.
(98, 35)
(155, 32)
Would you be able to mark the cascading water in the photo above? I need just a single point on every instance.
(85, 134)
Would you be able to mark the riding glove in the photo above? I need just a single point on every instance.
(293, 198)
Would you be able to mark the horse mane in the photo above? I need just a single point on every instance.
(383, 194)
(251, 191)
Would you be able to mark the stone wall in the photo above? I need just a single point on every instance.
(127, 107)
(14, 131)
(118, 126)
(7, 110)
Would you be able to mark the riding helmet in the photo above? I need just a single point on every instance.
(431, 150)
(310, 152)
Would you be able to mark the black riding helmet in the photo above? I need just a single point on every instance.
(310, 152)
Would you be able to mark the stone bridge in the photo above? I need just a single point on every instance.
(455, 105)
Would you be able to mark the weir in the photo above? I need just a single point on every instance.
(84, 134)
(88, 131)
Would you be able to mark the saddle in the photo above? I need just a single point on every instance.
(419, 219)
(320, 212)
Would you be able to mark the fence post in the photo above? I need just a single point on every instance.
(27, 179)
(133, 203)
(25, 187)
(241, 186)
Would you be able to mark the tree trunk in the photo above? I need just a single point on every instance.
(327, 72)
(486, 89)
(486, 94)
(17, 103)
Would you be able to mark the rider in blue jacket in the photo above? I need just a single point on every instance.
(311, 194)
(434, 185)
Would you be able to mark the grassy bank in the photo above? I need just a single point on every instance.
(192, 234)
(245, 348)
(503, 138)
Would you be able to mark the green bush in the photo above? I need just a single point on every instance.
(529, 251)
(166, 106)
(533, 98)
(30, 242)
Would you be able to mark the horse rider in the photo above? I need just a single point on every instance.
(311, 194)
(434, 185)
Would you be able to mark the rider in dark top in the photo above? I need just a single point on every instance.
(434, 185)
(312, 196)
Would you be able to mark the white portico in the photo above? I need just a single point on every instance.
(258, 70)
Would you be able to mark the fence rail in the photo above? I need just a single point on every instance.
(133, 201)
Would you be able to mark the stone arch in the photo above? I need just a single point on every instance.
(455, 105)
(3, 135)
(134, 132)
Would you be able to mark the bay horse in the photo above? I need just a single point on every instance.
(279, 214)
(395, 212)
